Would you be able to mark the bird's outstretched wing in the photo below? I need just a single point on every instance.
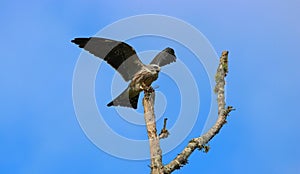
(119, 55)
(165, 57)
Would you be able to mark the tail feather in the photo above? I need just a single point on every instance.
(127, 99)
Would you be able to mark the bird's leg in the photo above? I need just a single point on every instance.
(149, 89)
(146, 88)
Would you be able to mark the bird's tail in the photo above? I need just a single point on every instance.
(127, 98)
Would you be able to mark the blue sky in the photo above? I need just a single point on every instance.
(39, 132)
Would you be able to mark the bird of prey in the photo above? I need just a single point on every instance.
(124, 59)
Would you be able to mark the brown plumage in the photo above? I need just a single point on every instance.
(124, 59)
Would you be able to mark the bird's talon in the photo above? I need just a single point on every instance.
(149, 89)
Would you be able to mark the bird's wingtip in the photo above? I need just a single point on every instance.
(81, 42)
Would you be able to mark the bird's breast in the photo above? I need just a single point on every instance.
(143, 78)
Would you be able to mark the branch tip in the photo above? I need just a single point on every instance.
(201, 142)
(228, 110)
(164, 133)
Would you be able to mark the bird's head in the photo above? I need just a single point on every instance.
(154, 68)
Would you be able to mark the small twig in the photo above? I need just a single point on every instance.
(200, 142)
(164, 133)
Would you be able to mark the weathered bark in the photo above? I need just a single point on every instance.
(200, 142)
(155, 150)
(196, 143)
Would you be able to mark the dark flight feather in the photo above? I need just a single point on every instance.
(119, 55)
(164, 57)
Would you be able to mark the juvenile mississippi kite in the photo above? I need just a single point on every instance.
(124, 59)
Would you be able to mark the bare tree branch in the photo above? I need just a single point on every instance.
(155, 150)
(200, 142)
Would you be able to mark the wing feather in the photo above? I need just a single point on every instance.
(119, 55)
(164, 57)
